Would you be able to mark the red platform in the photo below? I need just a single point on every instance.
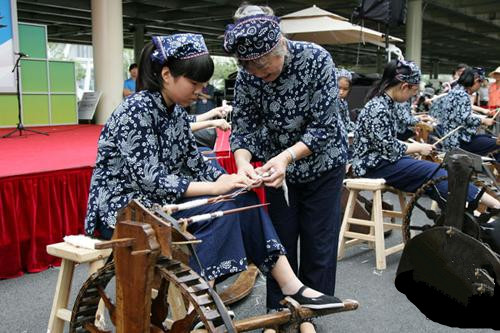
(44, 184)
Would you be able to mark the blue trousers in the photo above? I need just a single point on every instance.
(408, 174)
(482, 144)
(230, 241)
(314, 217)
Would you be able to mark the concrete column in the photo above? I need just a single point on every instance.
(414, 31)
(435, 69)
(138, 41)
(107, 42)
(380, 59)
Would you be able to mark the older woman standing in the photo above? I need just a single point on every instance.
(286, 114)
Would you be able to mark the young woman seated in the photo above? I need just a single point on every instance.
(147, 152)
(377, 151)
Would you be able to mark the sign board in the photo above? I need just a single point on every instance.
(88, 104)
(8, 45)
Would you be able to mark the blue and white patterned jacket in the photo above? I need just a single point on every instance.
(300, 105)
(404, 118)
(348, 125)
(146, 152)
(375, 137)
(457, 111)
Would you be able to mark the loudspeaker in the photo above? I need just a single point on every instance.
(389, 12)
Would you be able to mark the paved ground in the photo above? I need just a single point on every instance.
(25, 302)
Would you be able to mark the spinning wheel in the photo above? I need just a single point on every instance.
(421, 213)
(453, 262)
(168, 311)
(149, 249)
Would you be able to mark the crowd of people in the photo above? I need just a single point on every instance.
(289, 111)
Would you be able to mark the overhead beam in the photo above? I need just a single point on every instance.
(467, 12)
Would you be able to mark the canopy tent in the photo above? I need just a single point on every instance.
(317, 25)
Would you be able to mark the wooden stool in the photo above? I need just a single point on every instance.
(71, 255)
(376, 223)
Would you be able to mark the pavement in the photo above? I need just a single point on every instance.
(25, 302)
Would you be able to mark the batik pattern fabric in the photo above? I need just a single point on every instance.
(147, 152)
(252, 37)
(437, 108)
(375, 136)
(348, 125)
(300, 105)
(404, 118)
(191, 118)
(229, 242)
(457, 111)
(178, 46)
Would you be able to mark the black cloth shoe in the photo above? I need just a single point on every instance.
(321, 302)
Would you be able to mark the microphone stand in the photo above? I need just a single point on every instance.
(20, 127)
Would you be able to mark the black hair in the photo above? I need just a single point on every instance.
(199, 69)
(459, 67)
(388, 79)
(467, 78)
(132, 66)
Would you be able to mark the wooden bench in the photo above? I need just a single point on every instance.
(70, 255)
(376, 223)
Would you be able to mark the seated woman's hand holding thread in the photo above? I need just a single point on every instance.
(246, 169)
(227, 183)
(425, 148)
(221, 124)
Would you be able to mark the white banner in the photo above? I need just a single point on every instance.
(8, 45)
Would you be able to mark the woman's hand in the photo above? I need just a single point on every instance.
(221, 111)
(425, 148)
(246, 169)
(274, 170)
(487, 121)
(424, 118)
(227, 183)
(221, 124)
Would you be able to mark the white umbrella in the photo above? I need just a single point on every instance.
(323, 27)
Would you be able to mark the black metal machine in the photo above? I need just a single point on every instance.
(451, 271)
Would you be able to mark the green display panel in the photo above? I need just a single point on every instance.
(35, 109)
(63, 109)
(41, 79)
(33, 40)
(34, 76)
(62, 76)
(8, 110)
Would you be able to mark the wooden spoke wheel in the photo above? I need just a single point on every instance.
(422, 213)
(178, 287)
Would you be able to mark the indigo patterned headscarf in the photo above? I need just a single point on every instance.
(178, 46)
(480, 73)
(403, 66)
(252, 37)
(342, 72)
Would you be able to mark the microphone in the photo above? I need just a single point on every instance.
(21, 54)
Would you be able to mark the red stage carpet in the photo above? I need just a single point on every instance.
(44, 186)
(44, 183)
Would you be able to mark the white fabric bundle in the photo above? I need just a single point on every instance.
(82, 241)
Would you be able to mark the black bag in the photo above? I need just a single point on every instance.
(389, 12)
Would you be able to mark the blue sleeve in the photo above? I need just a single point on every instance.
(138, 144)
(246, 120)
(463, 109)
(323, 114)
(382, 134)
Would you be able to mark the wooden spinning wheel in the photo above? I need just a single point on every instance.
(157, 292)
